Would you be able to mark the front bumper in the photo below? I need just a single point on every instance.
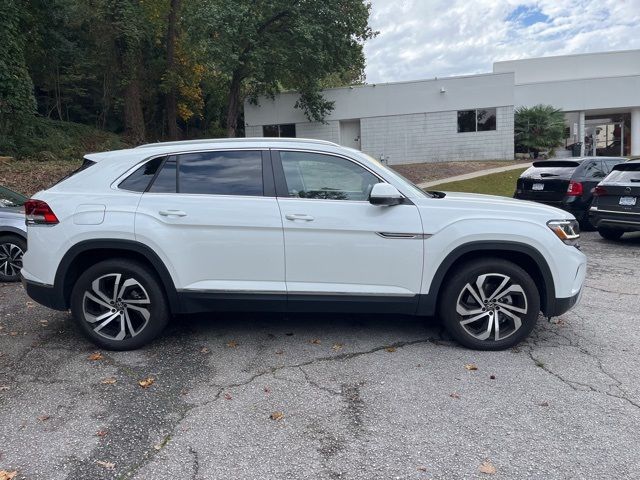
(563, 305)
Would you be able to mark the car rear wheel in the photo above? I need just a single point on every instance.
(489, 304)
(119, 304)
(610, 233)
(12, 249)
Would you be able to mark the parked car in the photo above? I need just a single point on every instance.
(289, 224)
(565, 184)
(616, 203)
(13, 234)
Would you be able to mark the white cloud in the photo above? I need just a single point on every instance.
(428, 38)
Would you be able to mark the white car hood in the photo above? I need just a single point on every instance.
(472, 205)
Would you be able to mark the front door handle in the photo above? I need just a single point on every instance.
(299, 216)
(173, 213)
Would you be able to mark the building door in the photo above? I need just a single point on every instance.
(350, 133)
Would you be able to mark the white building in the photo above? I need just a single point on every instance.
(471, 117)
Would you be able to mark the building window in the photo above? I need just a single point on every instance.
(480, 120)
(283, 130)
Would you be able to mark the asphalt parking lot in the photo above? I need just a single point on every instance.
(350, 397)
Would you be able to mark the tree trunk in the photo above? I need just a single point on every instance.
(171, 102)
(133, 114)
(233, 104)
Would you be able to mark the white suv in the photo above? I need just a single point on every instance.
(137, 235)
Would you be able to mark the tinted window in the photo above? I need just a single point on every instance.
(551, 169)
(609, 164)
(593, 170)
(270, 131)
(486, 119)
(313, 175)
(165, 182)
(466, 121)
(284, 130)
(288, 130)
(139, 180)
(221, 173)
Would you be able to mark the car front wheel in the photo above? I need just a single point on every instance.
(489, 304)
(119, 304)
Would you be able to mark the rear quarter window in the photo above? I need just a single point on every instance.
(139, 180)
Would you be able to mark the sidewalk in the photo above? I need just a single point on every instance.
(479, 173)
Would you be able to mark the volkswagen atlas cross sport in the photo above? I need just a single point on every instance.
(137, 235)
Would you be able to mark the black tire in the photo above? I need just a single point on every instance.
(138, 285)
(12, 247)
(610, 233)
(585, 222)
(496, 270)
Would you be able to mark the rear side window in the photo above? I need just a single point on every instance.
(221, 173)
(139, 180)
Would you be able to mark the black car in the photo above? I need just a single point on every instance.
(565, 184)
(616, 202)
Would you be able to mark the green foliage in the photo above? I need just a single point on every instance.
(17, 104)
(503, 184)
(540, 127)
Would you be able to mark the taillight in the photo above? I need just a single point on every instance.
(574, 189)
(39, 213)
(599, 191)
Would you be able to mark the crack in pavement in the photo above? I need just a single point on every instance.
(196, 463)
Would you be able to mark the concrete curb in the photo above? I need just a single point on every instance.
(479, 173)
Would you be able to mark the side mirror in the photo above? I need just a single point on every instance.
(385, 194)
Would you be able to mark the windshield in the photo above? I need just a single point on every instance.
(395, 174)
(9, 198)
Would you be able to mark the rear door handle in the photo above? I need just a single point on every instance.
(299, 216)
(174, 213)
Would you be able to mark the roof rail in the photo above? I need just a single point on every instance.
(238, 140)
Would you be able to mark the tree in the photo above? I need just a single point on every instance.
(171, 101)
(262, 47)
(540, 127)
(17, 103)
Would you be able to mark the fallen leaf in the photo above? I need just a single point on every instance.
(3, 387)
(422, 469)
(543, 404)
(109, 381)
(315, 341)
(6, 475)
(227, 396)
(101, 433)
(232, 344)
(95, 356)
(107, 465)
(277, 416)
(289, 334)
(158, 446)
(471, 366)
(487, 468)
(147, 382)
(492, 377)
(390, 349)
(337, 347)
(13, 334)
(44, 418)
(455, 395)
(279, 352)
(267, 390)
(204, 350)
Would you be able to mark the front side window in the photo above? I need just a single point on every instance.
(221, 173)
(479, 120)
(319, 176)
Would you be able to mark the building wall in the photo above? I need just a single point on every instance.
(434, 137)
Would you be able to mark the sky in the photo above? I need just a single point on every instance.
(439, 38)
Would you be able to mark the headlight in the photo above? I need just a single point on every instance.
(566, 230)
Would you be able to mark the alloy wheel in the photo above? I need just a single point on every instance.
(492, 307)
(117, 307)
(10, 259)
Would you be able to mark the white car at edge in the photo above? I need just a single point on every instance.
(137, 235)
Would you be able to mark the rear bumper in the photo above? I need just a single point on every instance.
(44, 294)
(627, 221)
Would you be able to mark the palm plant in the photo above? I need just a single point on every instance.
(537, 128)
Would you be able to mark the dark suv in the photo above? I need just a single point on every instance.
(616, 202)
(565, 184)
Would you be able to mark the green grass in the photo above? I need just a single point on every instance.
(503, 184)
